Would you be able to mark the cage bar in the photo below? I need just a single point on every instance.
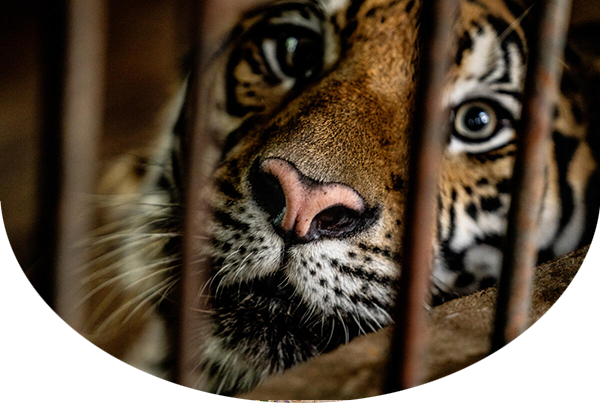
(210, 19)
(73, 78)
(428, 141)
(73, 101)
(541, 92)
(194, 272)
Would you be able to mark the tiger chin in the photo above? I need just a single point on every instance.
(312, 105)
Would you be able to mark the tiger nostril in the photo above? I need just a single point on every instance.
(336, 220)
(302, 209)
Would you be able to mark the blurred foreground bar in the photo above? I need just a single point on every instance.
(212, 19)
(541, 93)
(73, 96)
(428, 142)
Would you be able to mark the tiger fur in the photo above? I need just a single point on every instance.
(315, 96)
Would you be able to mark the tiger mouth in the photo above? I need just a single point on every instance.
(271, 307)
(275, 286)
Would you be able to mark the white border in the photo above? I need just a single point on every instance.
(41, 358)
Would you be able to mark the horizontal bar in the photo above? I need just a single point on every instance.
(541, 92)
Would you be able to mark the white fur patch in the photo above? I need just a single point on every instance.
(483, 261)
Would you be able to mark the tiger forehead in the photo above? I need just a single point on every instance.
(383, 22)
(379, 39)
(380, 11)
(377, 14)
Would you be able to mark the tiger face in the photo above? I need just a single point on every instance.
(312, 111)
(314, 108)
(309, 194)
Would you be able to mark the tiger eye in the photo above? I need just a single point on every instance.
(475, 121)
(300, 56)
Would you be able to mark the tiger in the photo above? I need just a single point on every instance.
(310, 107)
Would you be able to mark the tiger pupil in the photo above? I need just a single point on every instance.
(291, 44)
(299, 57)
(476, 119)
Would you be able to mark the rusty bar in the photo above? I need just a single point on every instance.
(52, 21)
(194, 272)
(430, 134)
(211, 20)
(541, 89)
(73, 112)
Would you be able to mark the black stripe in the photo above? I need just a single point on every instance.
(255, 64)
(353, 9)
(378, 251)
(472, 211)
(232, 104)
(454, 260)
(226, 188)
(440, 208)
(515, 7)
(235, 136)
(348, 31)
(592, 201)
(544, 193)
(505, 186)
(501, 27)
(335, 23)
(465, 43)
(564, 149)
(488, 157)
(361, 273)
(518, 95)
(228, 221)
(268, 11)
(544, 255)
(452, 213)
(490, 204)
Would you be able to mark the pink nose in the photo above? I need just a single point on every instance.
(313, 209)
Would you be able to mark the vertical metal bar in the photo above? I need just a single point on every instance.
(53, 32)
(194, 272)
(430, 134)
(73, 114)
(541, 89)
(211, 20)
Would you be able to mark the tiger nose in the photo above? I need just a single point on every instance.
(303, 208)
